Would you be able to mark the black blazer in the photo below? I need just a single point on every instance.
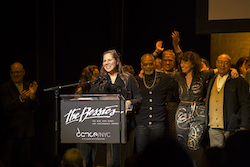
(19, 115)
(236, 108)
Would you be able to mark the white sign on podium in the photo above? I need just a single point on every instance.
(93, 118)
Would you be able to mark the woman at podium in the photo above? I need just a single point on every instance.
(112, 79)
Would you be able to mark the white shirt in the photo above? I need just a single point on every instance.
(19, 87)
(221, 81)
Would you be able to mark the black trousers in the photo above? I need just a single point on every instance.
(17, 151)
(190, 122)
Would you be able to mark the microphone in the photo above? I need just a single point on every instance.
(99, 79)
(104, 78)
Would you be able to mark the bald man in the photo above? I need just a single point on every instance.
(19, 101)
(227, 103)
(151, 116)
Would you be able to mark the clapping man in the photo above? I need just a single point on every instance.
(19, 101)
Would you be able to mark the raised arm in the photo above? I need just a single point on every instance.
(233, 72)
(158, 48)
(175, 41)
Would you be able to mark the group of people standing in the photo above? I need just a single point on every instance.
(213, 100)
(178, 100)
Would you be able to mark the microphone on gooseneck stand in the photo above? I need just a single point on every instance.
(104, 78)
(99, 79)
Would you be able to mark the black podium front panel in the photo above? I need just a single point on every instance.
(93, 120)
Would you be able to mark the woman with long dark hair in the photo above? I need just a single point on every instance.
(190, 114)
(115, 80)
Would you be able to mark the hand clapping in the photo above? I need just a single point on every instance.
(24, 94)
(33, 88)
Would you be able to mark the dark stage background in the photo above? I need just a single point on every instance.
(55, 40)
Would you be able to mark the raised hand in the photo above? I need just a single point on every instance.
(33, 88)
(175, 37)
(158, 46)
(175, 41)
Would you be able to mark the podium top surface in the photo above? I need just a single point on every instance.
(90, 97)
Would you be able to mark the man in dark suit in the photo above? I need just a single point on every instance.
(227, 104)
(19, 100)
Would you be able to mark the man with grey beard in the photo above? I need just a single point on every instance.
(150, 118)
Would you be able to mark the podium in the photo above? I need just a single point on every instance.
(93, 118)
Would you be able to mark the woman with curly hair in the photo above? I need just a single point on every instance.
(88, 74)
(190, 115)
(87, 149)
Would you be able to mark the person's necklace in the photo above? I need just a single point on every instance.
(144, 81)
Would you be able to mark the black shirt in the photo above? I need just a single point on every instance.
(197, 90)
(153, 108)
(129, 92)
